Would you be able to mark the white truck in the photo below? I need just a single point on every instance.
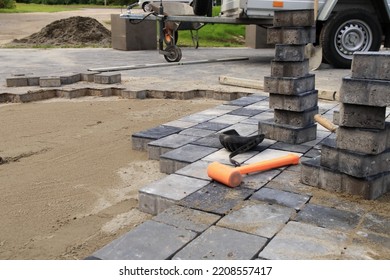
(343, 26)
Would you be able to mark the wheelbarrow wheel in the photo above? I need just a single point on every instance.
(174, 54)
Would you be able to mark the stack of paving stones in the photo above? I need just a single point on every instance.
(292, 89)
(271, 215)
(357, 160)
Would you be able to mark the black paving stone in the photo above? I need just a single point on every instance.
(211, 141)
(246, 112)
(327, 217)
(157, 132)
(280, 197)
(216, 198)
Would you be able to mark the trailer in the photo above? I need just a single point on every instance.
(343, 26)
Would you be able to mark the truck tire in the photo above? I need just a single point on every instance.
(200, 7)
(347, 32)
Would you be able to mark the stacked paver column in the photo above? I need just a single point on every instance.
(292, 89)
(357, 160)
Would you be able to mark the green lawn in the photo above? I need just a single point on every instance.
(33, 8)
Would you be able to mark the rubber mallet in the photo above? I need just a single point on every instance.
(232, 176)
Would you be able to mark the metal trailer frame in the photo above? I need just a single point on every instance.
(169, 25)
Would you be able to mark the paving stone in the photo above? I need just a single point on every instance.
(245, 101)
(365, 92)
(229, 119)
(289, 68)
(142, 138)
(288, 199)
(376, 223)
(197, 118)
(166, 144)
(351, 163)
(160, 195)
(222, 156)
(257, 218)
(198, 169)
(216, 198)
(368, 246)
(179, 124)
(211, 141)
(327, 217)
(371, 187)
(107, 78)
(257, 180)
(243, 129)
(34, 96)
(88, 76)
(300, 241)
(362, 116)
(269, 154)
(312, 153)
(228, 107)
(72, 93)
(211, 126)
(134, 94)
(197, 132)
(144, 243)
(291, 35)
(67, 79)
(299, 119)
(180, 157)
(297, 18)
(371, 65)
(217, 111)
(301, 149)
(245, 112)
(17, 81)
(289, 85)
(367, 141)
(297, 103)
(186, 218)
(290, 181)
(49, 82)
(100, 92)
(287, 133)
(285, 52)
(222, 244)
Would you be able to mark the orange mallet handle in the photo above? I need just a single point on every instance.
(232, 176)
(269, 164)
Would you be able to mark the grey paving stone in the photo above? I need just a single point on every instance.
(245, 101)
(70, 78)
(368, 246)
(284, 52)
(158, 147)
(141, 139)
(245, 112)
(198, 169)
(216, 198)
(189, 153)
(291, 35)
(257, 180)
(107, 78)
(288, 199)
(297, 18)
(222, 156)
(269, 154)
(17, 81)
(196, 132)
(300, 241)
(257, 218)
(376, 223)
(180, 124)
(186, 218)
(371, 65)
(229, 119)
(287, 133)
(211, 126)
(222, 244)
(211, 141)
(327, 217)
(289, 147)
(159, 195)
(290, 181)
(197, 118)
(262, 105)
(227, 107)
(145, 243)
(49, 82)
(243, 129)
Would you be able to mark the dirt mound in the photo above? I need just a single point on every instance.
(73, 31)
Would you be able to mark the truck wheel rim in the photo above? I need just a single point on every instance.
(352, 36)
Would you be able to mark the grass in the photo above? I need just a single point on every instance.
(34, 8)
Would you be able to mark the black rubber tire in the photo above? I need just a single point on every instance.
(145, 7)
(200, 7)
(341, 29)
(174, 54)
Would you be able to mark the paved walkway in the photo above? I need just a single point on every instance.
(271, 215)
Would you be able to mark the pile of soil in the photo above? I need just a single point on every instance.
(73, 31)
